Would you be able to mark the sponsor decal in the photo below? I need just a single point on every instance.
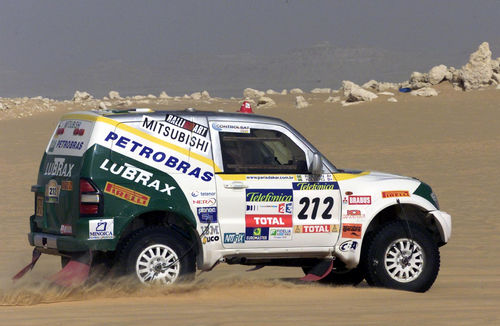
(211, 238)
(264, 208)
(280, 233)
(268, 220)
(101, 229)
(234, 237)
(210, 230)
(352, 231)
(197, 193)
(270, 177)
(70, 124)
(177, 134)
(159, 157)
(315, 185)
(52, 190)
(127, 194)
(139, 176)
(360, 200)
(395, 193)
(353, 213)
(204, 201)
(187, 125)
(310, 177)
(269, 195)
(253, 234)
(207, 214)
(39, 205)
(67, 185)
(58, 168)
(348, 245)
(228, 127)
(66, 229)
(68, 144)
(316, 228)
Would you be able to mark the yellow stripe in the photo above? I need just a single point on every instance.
(348, 176)
(142, 134)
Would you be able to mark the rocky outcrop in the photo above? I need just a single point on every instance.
(296, 91)
(250, 92)
(265, 102)
(478, 71)
(321, 90)
(300, 102)
(196, 96)
(205, 95)
(392, 99)
(164, 95)
(426, 92)
(354, 93)
(114, 95)
(437, 74)
(271, 92)
(81, 96)
(332, 99)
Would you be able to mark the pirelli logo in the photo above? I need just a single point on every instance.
(395, 193)
(127, 194)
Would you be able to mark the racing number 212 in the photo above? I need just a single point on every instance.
(306, 201)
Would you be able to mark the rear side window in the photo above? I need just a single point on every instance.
(261, 151)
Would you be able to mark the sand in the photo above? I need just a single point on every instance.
(451, 141)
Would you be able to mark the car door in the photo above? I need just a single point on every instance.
(266, 197)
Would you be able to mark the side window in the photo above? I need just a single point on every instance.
(261, 151)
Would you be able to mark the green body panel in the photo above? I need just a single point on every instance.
(425, 191)
(103, 166)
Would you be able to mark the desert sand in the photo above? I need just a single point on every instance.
(451, 141)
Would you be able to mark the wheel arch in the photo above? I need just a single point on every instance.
(405, 211)
(172, 220)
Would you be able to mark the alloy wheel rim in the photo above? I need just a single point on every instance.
(404, 260)
(157, 264)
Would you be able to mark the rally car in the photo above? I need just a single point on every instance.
(158, 195)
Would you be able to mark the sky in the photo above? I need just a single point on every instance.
(52, 48)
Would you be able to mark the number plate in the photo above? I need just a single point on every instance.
(39, 205)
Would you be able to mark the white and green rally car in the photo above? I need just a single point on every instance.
(159, 194)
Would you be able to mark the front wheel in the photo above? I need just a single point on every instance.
(157, 255)
(402, 256)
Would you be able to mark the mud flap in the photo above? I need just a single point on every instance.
(76, 271)
(319, 271)
(36, 254)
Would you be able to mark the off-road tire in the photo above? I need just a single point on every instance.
(164, 240)
(384, 257)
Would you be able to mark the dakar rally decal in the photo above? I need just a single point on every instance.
(101, 229)
(157, 156)
(58, 167)
(315, 208)
(52, 190)
(351, 231)
(395, 193)
(70, 138)
(268, 214)
(137, 175)
(179, 131)
(127, 194)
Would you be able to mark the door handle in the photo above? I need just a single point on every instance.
(235, 185)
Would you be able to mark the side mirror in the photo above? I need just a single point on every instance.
(316, 165)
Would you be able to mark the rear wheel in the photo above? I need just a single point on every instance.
(402, 256)
(157, 255)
